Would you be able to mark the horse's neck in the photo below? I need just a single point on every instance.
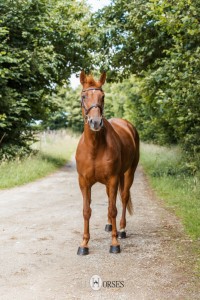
(94, 138)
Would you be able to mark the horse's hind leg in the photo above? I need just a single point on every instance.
(126, 182)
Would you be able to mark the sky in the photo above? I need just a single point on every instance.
(95, 4)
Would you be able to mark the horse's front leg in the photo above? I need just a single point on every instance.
(86, 193)
(108, 226)
(112, 210)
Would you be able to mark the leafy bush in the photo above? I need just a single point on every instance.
(42, 42)
(174, 184)
(12, 152)
(159, 42)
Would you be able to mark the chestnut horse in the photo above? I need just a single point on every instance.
(108, 152)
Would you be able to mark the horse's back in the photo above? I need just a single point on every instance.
(126, 131)
(129, 139)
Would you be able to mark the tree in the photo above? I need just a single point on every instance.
(159, 42)
(128, 38)
(42, 42)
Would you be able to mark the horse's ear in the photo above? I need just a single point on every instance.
(82, 77)
(102, 78)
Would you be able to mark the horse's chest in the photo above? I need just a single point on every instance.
(98, 168)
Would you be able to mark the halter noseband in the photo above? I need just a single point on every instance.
(87, 110)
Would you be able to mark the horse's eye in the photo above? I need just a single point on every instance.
(83, 96)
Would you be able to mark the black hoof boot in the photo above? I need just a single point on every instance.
(115, 249)
(108, 227)
(83, 251)
(121, 234)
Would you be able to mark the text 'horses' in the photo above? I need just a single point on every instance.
(108, 152)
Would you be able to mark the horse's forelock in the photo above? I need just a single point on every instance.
(91, 81)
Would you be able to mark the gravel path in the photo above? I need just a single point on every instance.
(41, 228)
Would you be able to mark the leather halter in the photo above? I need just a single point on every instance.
(87, 110)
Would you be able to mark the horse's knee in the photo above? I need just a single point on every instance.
(87, 213)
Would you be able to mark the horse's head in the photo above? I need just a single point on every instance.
(92, 100)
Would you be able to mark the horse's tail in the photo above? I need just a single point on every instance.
(129, 203)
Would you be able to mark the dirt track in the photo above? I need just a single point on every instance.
(41, 228)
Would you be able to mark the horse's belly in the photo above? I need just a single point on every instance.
(127, 134)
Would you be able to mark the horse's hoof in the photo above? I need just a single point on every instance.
(83, 251)
(108, 227)
(115, 249)
(122, 234)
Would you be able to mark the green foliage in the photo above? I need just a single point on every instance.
(50, 153)
(68, 113)
(73, 108)
(159, 42)
(11, 151)
(179, 189)
(119, 99)
(42, 42)
(129, 40)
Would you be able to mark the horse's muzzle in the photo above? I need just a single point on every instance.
(96, 123)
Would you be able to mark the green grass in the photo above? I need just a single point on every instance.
(54, 151)
(179, 190)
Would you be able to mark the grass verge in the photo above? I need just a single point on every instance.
(179, 190)
(54, 151)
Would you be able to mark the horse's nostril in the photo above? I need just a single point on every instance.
(91, 122)
(95, 124)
